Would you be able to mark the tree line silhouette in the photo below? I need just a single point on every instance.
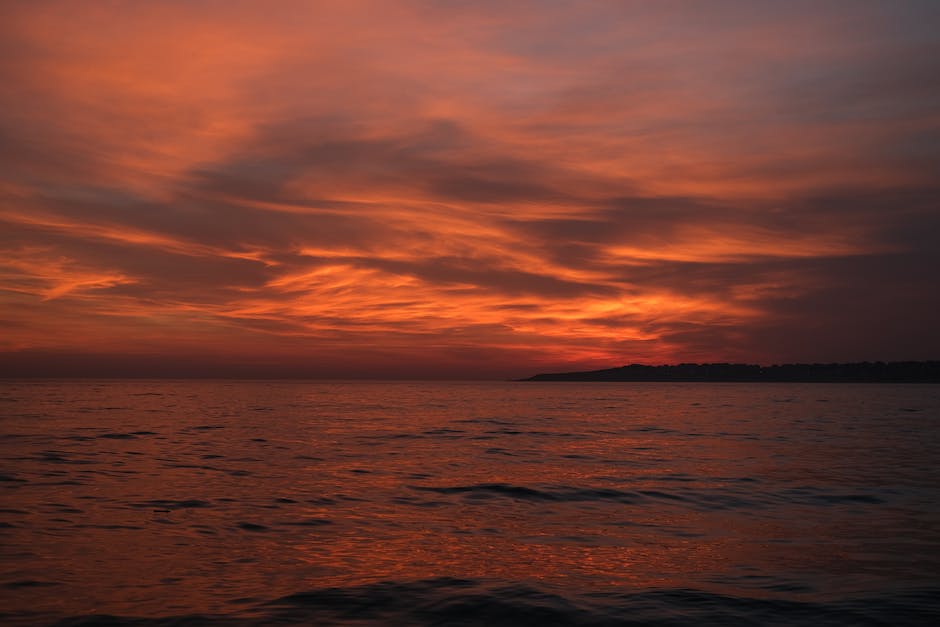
(859, 372)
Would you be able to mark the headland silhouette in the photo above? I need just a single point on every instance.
(858, 372)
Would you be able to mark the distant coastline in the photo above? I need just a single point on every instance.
(859, 372)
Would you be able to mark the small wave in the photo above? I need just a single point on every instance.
(541, 434)
(815, 496)
(309, 522)
(727, 497)
(164, 504)
(444, 431)
(60, 457)
(485, 490)
(447, 601)
(28, 583)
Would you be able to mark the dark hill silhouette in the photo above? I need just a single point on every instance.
(860, 372)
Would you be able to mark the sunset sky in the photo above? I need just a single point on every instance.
(465, 189)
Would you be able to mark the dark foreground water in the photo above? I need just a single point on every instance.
(260, 503)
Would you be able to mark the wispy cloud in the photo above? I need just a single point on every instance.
(469, 189)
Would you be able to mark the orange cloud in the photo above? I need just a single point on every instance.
(467, 190)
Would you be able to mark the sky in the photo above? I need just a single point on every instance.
(421, 189)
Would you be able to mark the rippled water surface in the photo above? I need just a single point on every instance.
(233, 502)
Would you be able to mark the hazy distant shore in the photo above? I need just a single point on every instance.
(859, 372)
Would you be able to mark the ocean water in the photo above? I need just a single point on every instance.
(265, 503)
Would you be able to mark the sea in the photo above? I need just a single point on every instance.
(157, 503)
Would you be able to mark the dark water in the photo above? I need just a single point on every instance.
(260, 503)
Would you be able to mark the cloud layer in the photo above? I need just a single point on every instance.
(465, 189)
